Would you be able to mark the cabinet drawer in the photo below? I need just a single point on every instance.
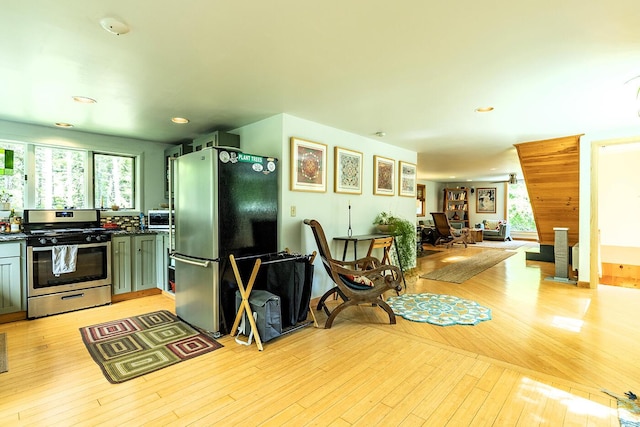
(9, 249)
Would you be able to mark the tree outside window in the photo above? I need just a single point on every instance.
(59, 178)
(519, 208)
(114, 181)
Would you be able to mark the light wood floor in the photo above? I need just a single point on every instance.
(541, 360)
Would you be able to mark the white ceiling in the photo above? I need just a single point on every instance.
(415, 69)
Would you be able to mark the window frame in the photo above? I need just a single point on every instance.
(135, 178)
(29, 172)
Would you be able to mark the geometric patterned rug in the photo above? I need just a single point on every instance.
(135, 346)
(441, 310)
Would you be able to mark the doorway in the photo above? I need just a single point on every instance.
(614, 242)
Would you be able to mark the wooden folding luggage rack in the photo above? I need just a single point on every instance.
(245, 292)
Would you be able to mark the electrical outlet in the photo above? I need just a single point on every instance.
(293, 211)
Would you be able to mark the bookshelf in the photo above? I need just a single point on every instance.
(456, 205)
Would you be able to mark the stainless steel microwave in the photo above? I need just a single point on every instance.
(159, 219)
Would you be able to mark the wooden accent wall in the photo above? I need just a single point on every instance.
(551, 170)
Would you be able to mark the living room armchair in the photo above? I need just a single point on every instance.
(496, 230)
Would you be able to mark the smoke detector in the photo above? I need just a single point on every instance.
(114, 26)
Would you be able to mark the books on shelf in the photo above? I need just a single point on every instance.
(457, 194)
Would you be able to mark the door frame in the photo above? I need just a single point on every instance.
(594, 230)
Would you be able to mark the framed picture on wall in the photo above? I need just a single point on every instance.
(486, 200)
(308, 165)
(383, 176)
(406, 179)
(347, 171)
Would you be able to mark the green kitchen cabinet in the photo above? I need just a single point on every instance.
(162, 248)
(145, 275)
(121, 264)
(11, 267)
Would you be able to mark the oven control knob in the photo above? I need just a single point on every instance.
(54, 240)
(42, 240)
(98, 238)
(88, 239)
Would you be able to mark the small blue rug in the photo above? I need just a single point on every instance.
(628, 410)
(441, 310)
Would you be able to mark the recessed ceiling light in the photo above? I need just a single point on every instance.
(84, 99)
(483, 109)
(63, 125)
(114, 26)
(452, 176)
(179, 120)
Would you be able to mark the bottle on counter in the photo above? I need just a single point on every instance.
(14, 223)
(142, 225)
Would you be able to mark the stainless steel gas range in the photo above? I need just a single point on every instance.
(68, 261)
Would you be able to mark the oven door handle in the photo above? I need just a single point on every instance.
(193, 261)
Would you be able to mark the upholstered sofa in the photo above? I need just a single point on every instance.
(496, 230)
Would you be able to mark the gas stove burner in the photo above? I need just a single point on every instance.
(94, 230)
(57, 231)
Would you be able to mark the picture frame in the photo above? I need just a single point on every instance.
(383, 176)
(308, 166)
(486, 200)
(407, 173)
(347, 171)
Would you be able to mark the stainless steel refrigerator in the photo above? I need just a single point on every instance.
(226, 202)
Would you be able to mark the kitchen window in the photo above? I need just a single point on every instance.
(48, 177)
(60, 178)
(12, 186)
(113, 181)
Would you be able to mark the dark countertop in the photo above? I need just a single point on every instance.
(12, 237)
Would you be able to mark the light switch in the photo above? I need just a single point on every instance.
(293, 210)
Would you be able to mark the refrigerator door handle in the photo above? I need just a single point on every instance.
(199, 263)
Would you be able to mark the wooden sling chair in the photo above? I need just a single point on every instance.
(352, 283)
(384, 243)
(446, 234)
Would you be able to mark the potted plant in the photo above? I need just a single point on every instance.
(383, 222)
(405, 237)
(5, 201)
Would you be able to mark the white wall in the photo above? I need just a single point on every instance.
(329, 208)
(619, 198)
(586, 143)
(151, 173)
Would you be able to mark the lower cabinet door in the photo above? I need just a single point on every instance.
(144, 262)
(121, 264)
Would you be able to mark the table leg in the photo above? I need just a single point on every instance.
(346, 246)
(399, 263)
